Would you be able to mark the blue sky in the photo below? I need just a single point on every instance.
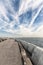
(21, 18)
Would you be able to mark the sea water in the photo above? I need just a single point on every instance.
(36, 41)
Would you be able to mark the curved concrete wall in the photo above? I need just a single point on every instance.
(37, 56)
(36, 52)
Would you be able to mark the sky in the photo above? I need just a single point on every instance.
(21, 18)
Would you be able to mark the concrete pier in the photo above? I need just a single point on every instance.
(36, 53)
(9, 53)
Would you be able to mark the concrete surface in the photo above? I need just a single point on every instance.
(25, 58)
(9, 53)
(35, 51)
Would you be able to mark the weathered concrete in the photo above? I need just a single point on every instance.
(35, 51)
(26, 59)
(9, 53)
(37, 56)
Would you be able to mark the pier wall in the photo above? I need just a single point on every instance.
(36, 53)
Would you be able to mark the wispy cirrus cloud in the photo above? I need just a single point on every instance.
(21, 17)
(34, 17)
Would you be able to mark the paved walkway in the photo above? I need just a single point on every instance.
(9, 53)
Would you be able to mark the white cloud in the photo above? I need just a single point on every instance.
(40, 28)
(27, 32)
(9, 30)
(34, 17)
(24, 6)
(3, 11)
(38, 32)
(23, 30)
(36, 3)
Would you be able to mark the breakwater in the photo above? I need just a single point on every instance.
(36, 52)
